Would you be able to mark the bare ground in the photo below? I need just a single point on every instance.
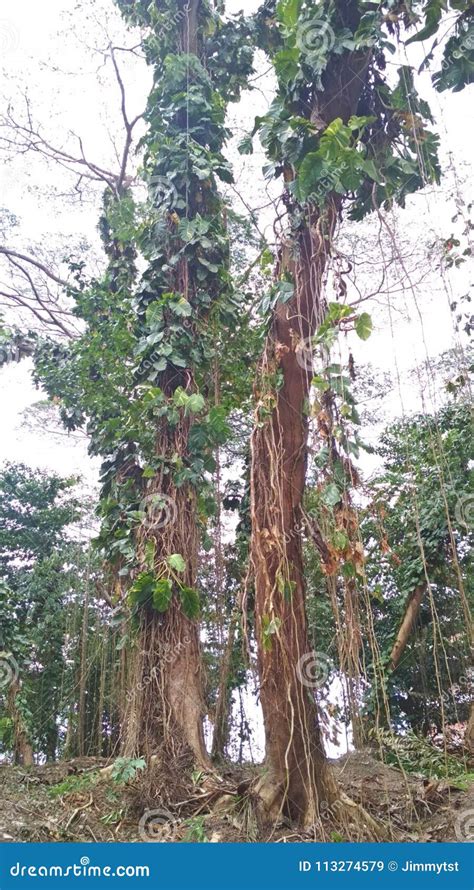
(71, 801)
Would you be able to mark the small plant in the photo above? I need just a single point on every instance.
(337, 838)
(73, 784)
(415, 754)
(196, 832)
(113, 818)
(125, 769)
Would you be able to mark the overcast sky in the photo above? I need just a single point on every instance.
(49, 49)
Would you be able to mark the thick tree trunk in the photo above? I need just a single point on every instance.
(166, 702)
(296, 778)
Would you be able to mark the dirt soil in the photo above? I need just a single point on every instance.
(74, 801)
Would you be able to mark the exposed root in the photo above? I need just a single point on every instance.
(359, 814)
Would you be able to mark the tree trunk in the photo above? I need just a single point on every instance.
(166, 702)
(297, 778)
(469, 737)
(221, 723)
(81, 723)
(23, 749)
(411, 613)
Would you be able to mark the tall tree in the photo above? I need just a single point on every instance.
(35, 512)
(198, 66)
(339, 134)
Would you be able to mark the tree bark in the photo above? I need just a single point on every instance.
(411, 613)
(23, 749)
(469, 737)
(297, 778)
(221, 723)
(81, 723)
(166, 702)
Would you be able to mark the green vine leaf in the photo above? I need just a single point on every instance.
(270, 626)
(363, 326)
(195, 403)
(245, 146)
(331, 495)
(190, 602)
(176, 562)
(162, 594)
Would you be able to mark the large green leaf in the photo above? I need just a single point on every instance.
(363, 326)
(190, 601)
(176, 562)
(162, 593)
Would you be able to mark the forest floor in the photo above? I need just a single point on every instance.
(71, 801)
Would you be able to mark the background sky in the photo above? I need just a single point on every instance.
(50, 50)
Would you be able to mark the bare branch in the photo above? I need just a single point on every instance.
(9, 252)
